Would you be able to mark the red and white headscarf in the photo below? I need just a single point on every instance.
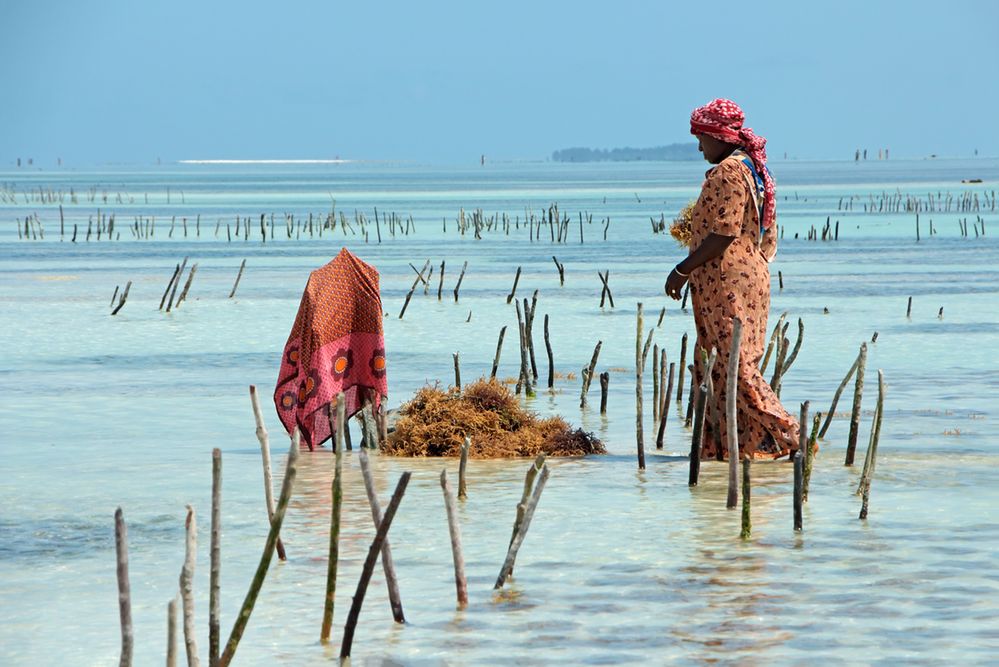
(723, 119)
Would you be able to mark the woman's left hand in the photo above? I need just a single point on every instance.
(674, 284)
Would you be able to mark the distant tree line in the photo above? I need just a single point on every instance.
(686, 151)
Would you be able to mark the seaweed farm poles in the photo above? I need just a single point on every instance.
(732, 430)
(187, 588)
(551, 358)
(683, 366)
(369, 565)
(588, 374)
(265, 558)
(124, 590)
(697, 434)
(215, 561)
(454, 528)
(747, 522)
(858, 392)
(640, 354)
(872, 449)
(499, 348)
(388, 565)
(333, 561)
(525, 523)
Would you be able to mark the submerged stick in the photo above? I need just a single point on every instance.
(265, 558)
(518, 538)
(238, 276)
(187, 588)
(388, 566)
(124, 589)
(588, 374)
(499, 348)
(798, 481)
(215, 561)
(333, 560)
(461, 277)
(697, 434)
(166, 292)
(604, 382)
(462, 465)
(454, 528)
(664, 407)
(873, 448)
(732, 430)
(810, 455)
(457, 371)
(747, 523)
(551, 358)
(858, 392)
(683, 368)
(265, 457)
(369, 565)
(123, 298)
(440, 283)
(839, 391)
(171, 654)
(513, 290)
(639, 367)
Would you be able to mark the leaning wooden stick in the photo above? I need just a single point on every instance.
(798, 480)
(518, 540)
(265, 558)
(873, 448)
(265, 454)
(532, 472)
(461, 277)
(747, 523)
(639, 366)
(171, 654)
(124, 590)
(697, 434)
(388, 565)
(187, 588)
(238, 276)
(460, 583)
(499, 348)
(215, 556)
(858, 392)
(731, 428)
(369, 566)
(810, 455)
(462, 466)
(839, 392)
(333, 560)
(588, 374)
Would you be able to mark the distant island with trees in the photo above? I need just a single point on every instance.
(671, 152)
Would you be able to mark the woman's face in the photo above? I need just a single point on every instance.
(714, 150)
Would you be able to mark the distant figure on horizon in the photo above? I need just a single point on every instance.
(733, 237)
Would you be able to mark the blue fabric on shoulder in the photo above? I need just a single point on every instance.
(759, 188)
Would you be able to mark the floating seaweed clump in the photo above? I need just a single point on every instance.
(436, 421)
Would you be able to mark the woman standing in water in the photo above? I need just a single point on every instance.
(733, 237)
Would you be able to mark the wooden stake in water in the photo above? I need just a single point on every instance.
(461, 277)
(872, 449)
(171, 656)
(858, 392)
(732, 429)
(388, 565)
(798, 482)
(682, 369)
(333, 560)
(551, 358)
(588, 374)
(521, 533)
(124, 589)
(187, 588)
(697, 434)
(664, 407)
(215, 561)
(639, 366)
(499, 348)
(747, 523)
(457, 372)
(460, 583)
(369, 565)
(513, 290)
(462, 466)
(810, 454)
(238, 276)
(604, 385)
(265, 558)
(265, 456)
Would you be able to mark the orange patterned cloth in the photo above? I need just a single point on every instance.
(737, 284)
(335, 345)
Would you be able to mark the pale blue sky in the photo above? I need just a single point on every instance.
(133, 80)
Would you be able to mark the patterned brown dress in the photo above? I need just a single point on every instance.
(736, 284)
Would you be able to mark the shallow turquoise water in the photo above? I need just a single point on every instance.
(620, 565)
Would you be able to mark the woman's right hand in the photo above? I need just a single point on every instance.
(674, 284)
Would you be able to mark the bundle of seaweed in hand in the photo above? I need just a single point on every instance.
(436, 422)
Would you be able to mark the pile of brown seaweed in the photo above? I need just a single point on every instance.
(436, 422)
